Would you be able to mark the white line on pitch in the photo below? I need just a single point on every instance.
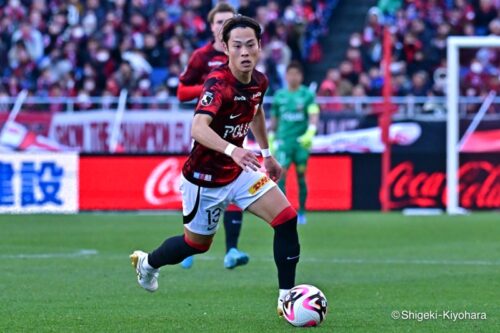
(79, 253)
(407, 262)
(305, 259)
(351, 261)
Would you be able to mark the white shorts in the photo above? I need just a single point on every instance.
(203, 207)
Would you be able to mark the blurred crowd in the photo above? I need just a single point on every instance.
(89, 48)
(419, 29)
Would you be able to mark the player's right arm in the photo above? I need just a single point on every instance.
(205, 135)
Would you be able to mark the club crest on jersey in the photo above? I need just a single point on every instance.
(257, 94)
(207, 98)
(258, 185)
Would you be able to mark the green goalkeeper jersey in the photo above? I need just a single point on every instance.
(291, 111)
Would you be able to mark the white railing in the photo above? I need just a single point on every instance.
(406, 107)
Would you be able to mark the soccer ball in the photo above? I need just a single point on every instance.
(305, 306)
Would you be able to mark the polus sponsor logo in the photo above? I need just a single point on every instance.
(236, 131)
(162, 185)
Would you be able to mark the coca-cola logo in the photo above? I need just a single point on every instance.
(479, 186)
(162, 186)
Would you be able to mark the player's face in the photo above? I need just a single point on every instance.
(243, 49)
(219, 19)
(294, 77)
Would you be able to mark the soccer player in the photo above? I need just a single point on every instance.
(219, 170)
(294, 118)
(202, 61)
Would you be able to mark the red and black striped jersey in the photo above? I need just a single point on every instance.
(202, 61)
(232, 105)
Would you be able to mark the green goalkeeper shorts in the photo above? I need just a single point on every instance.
(286, 154)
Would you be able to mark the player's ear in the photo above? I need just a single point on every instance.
(226, 49)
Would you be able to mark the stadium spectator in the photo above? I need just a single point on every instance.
(329, 88)
(420, 30)
(101, 33)
(32, 39)
(495, 27)
(389, 7)
(484, 13)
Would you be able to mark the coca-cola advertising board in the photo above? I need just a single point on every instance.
(152, 182)
(419, 180)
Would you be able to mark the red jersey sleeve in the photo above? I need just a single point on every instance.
(187, 93)
(212, 96)
(193, 74)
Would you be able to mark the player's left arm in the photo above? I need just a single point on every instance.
(189, 87)
(313, 114)
(186, 93)
(273, 123)
(258, 127)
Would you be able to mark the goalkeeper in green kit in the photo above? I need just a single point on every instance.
(294, 117)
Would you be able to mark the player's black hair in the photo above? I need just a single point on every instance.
(295, 65)
(240, 21)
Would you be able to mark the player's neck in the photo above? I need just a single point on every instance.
(293, 89)
(218, 46)
(243, 77)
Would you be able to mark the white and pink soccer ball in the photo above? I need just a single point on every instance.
(305, 306)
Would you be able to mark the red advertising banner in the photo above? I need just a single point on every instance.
(128, 183)
(329, 183)
(38, 122)
(152, 182)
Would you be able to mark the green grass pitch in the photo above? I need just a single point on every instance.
(72, 274)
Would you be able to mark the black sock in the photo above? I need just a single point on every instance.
(232, 224)
(286, 252)
(171, 252)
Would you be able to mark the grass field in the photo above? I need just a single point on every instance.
(72, 274)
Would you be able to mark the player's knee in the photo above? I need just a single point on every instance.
(286, 215)
(198, 247)
(233, 208)
(301, 168)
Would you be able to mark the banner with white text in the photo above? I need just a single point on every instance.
(144, 131)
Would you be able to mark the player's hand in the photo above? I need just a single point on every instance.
(306, 139)
(273, 168)
(246, 159)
